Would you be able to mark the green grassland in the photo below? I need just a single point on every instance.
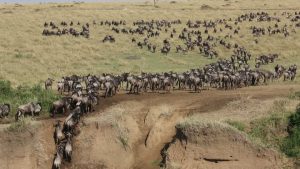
(27, 57)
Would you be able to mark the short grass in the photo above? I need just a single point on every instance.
(27, 57)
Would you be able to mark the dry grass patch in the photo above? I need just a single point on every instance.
(156, 113)
(120, 118)
(23, 125)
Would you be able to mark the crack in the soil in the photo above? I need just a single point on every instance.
(147, 136)
(164, 152)
(145, 118)
(217, 160)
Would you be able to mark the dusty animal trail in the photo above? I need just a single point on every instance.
(148, 121)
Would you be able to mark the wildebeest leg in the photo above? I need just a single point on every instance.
(106, 92)
(55, 137)
(111, 92)
(54, 112)
(152, 87)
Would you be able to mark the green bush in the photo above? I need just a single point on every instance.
(294, 119)
(25, 94)
(270, 130)
(291, 144)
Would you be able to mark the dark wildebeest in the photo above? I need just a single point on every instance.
(4, 110)
(58, 156)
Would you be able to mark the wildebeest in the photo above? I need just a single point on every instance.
(289, 75)
(61, 86)
(4, 110)
(60, 106)
(30, 108)
(68, 147)
(57, 161)
(109, 88)
(136, 85)
(58, 134)
(109, 38)
(48, 83)
(72, 120)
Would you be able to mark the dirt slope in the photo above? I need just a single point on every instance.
(214, 145)
(30, 149)
(129, 131)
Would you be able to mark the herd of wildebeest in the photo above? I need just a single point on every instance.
(85, 91)
(82, 93)
(204, 35)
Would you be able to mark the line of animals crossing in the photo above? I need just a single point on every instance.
(85, 91)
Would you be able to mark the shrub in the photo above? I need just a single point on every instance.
(270, 130)
(291, 144)
(294, 119)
